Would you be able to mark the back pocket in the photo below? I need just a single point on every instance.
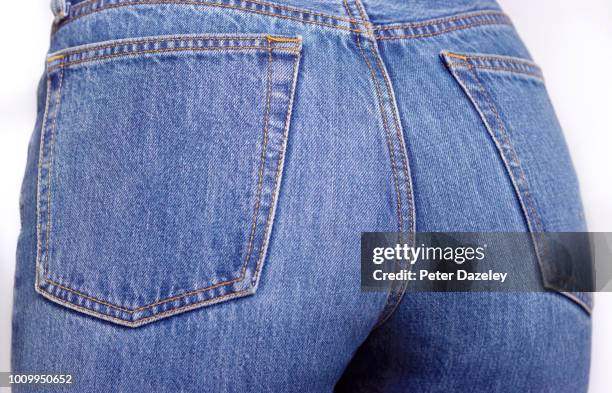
(510, 97)
(159, 170)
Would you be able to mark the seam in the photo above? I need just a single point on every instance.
(170, 39)
(438, 21)
(524, 198)
(123, 54)
(281, 39)
(397, 296)
(261, 164)
(38, 180)
(53, 58)
(467, 26)
(533, 211)
(394, 296)
(506, 69)
(361, 11)
(204, 3)
(402, 153)
(583, 304)
(276, 176)
(385, 125)
(502, 59)
(50, 170)
(176, 297)
(531, 214)
(139, 322)
(279, 6)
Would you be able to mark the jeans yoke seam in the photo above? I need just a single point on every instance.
(440, 32)
(272, 5)
(220, 5)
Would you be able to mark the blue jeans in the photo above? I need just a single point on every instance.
(201, 171)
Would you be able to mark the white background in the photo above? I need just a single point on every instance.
(571, 40)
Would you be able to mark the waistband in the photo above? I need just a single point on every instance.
(379, 12)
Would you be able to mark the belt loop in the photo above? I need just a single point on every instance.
(60, 9)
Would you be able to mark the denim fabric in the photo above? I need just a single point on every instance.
(200, 174)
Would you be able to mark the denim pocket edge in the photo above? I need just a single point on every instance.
(278, 114)
(462, 66)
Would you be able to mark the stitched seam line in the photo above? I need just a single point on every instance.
(439, 21)
(385, 125)
(139, 322)
(512, 70)
(399, 137)
(278, 6)
(172, 39)
(524, 198)
(43, 129)
(67, 21)
(394, 298)
(50, 170)
(395, 295)
(490, 60)
(533, 211)
(467, 26)
(276, 179)
(261, 165)
(177, 297)
(123, 54)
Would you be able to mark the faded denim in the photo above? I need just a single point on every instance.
(200, 173)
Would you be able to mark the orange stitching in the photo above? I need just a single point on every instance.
(298, 10)
(281, 39)
(69, 63)
(261, 165)
(52, 58)
(527, 193)
(393, 297)
(276, 177)
(399, 137)
(40, 160)
(171, 298)
(488, 23)
(167, 300)
(207, 4)
(49, 174)
(501, 59)
(512, 70)
(360, 10)
(385, 125)
(440, 21)
(165, 39)
(138, 322)
(457, 56)
(509, 142)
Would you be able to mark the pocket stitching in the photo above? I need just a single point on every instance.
(50, 170)
(177, 38)
(209, 48)
(522, 66)
(532, 218)
(135, 322)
